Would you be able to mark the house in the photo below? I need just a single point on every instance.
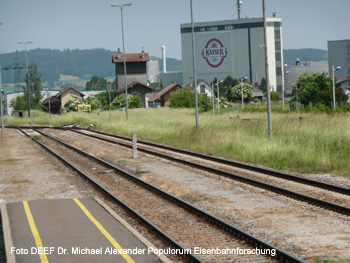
(162, 98)
(136, 88)
(257, 92)
(202, 87)
(58, 101)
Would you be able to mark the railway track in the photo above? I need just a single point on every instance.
(327, 196)
(181, 224)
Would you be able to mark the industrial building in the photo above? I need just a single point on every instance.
(235, 48)
(339, 56)
(300, 68)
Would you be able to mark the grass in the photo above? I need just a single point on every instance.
(320, 144)
(20, 181)
(12, 160)
(322, 260)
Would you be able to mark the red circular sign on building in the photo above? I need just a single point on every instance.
(214, 52)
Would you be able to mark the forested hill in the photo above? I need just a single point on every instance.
(80, 63)
(305, 54)
(86, 63)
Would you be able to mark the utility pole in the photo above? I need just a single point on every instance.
(194, 68)
(267, 75)
(2, 111)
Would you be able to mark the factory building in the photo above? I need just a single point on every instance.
(235, 48)
(339, 56)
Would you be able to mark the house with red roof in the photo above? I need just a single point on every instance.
(162, 98)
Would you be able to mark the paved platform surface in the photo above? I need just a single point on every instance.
(70, 230)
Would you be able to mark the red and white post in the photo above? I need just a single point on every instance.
(134, 146)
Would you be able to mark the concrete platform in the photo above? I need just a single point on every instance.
(71, 230)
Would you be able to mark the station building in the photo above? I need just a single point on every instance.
(235, 48)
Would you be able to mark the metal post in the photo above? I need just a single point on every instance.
(2, 118)
(212, 97)
(242, 92)
(2, 112)
(126, 85)
(333, 82)
(25, 45)
(297, 102)
(217, 85)
(283, 80)
(267, 75)
(194, 68)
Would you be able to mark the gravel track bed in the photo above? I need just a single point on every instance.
(301, 229)
(184, 227)
(322, 194)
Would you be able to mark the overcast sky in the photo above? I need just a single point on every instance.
(87, 24)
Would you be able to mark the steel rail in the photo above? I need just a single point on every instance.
(249, 239)
(191, 258)
(304, 198)
(322, 185)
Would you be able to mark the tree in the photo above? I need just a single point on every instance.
(96, 83)
(103, 97)
(229, 81)
(317, 88)
(35, 87)
(184, 98)
(133, 101)
(263, 85)
(247, 91)
(230, 94)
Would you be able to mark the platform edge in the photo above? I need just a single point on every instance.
(10, 258)
(137, 234)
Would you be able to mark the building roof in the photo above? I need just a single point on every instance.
(130, 57)
(257, 92)
(198, 81)
(64, 90)
(163, 91)
(120, 90)
(52, 100)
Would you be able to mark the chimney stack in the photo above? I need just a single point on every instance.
(119, 54)
(143, 54)
(164, 59)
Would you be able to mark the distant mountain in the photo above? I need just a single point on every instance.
(305, 54)
(86, 63)
(79, 63)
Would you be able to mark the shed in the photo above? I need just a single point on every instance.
(136, 88)
(163, 97)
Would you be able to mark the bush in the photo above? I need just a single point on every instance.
(184, 98)
(133, 102)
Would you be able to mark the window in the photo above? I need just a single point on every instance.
(278, 45)
(229, 27)
(278, 71)
(278, 56)
(277, 33)
(211, 28)
(202, 89)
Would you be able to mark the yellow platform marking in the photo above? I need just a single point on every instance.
(35, 232)
(104, 231)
